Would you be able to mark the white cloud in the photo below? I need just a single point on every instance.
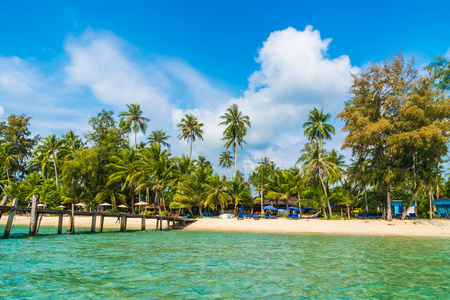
(2, 111)
(295, 75)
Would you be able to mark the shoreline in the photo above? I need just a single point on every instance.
(409, 228)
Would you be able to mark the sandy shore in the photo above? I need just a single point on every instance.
(419, 228)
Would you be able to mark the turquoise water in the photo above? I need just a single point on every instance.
(189, 265)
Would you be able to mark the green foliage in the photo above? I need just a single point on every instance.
(50, 194)
(165, 213)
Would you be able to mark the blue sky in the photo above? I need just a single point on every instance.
(61, 62)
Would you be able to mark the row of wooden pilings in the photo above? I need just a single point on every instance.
(35, 219)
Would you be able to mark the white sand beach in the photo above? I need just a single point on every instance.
(419, 228)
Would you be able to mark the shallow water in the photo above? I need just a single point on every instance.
(180, 264)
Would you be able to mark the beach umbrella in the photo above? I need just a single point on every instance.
(41, 205)
(242, 209)
(308, 208)
(292, 207)
(122, 206)
(80, 204)
(61, 206)
(140, 204)
(269, 207)
(105, 204)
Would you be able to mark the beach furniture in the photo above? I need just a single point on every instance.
(248, 215)
(361, 216)
(272, 216)
(447, 216)
(186, 216)
(256, 217)
(372, 216)
(240, 216)
(412, 216)
(266, 216)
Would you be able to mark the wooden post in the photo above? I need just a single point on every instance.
(73, 218)
(123, 223)
(33, 217)
(39, 223)
(157, 222)
(160, 223)
(143, 223)
(94, 220)
(10, 218)
(102, 218)
(60, 223)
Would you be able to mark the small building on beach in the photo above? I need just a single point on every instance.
(398, 208)
(442, 206)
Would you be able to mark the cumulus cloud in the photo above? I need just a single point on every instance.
(296, 74)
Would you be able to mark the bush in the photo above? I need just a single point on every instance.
(164, 213)
(331, 217)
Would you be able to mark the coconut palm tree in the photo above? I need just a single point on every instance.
(260, 177)
(236, 130)
(225, 161)
(282, 188)
(316, 127)
(31, 185)
(160, 137)
(190, 129)
(133, 119)
(240, 193)
(316, 165)
(8, 158)
(49, 149)
(110, 193)
(216, 192)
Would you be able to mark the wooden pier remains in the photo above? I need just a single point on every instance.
(36, 214)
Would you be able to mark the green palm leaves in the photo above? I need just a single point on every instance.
(190, 129)
(133, 120)
(48, 150)
(236, 130)
(8, 158)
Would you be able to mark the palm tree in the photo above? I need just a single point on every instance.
(282, 188)
(190, 129)
(240, 193)
(297, 182)
(133, 119)
(316, 165)
(359, 175)
(109, 193)
(160, 137)
(49, 149)
(8, 158)
(260, 177)
(316, 128)
(31, 185)
(225, 161)
(236, 130)
(216, 193)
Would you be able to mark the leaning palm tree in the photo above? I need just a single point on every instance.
(133, 119)
(236, 130)
(49, 149)
(225, 161)
(190, 129)
(160, 137)
(8, 158)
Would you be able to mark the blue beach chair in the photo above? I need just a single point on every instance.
(256, 217)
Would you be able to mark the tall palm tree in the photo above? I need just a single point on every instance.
(225, 161)
(133, 119)
(110, 193)
(190, 129)
(49, 149)
(160, 137)
(236, 130)
(240, 193)
(8, 158)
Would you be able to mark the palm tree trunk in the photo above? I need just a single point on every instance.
(262, 199)
(235, 159)
(388, 204)
(190, 151)
(324, 212)
(365, 196)
(299, 204)
(56, 170)
(326, 194)
(132, 201)
(430, 199)
(135, 141)
(7, 174)
(348, 211)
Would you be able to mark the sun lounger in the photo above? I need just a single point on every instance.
(272, 216)
(256, 217)
(361, 216)
(186, 216)
(266, 216)
(371, 216)
(240, 216)
(412, 216)
(446, 216)
(249, 215)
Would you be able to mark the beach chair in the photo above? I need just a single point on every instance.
(295, 217)
(186, 216)
(272, 216)
(398, 216)
(371, 216)
(256, 217)
(240, 216)
(446, 216)
(266, 216)
(412, 216)
(361, 216)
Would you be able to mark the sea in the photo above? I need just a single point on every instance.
(221, 265)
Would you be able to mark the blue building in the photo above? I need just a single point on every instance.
(442, 206)
(398, 208)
